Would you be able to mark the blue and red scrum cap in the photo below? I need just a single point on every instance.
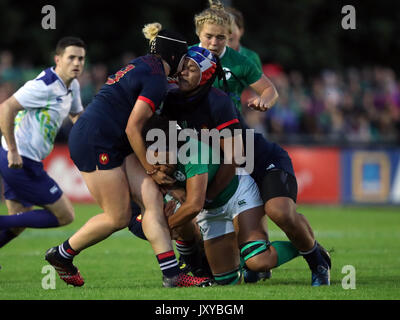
(205, 60)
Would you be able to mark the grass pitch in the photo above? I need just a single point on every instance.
(124, 267)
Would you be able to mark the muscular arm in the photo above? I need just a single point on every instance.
(137, 119)
(8, 111)
(267, 94)
(196, 188)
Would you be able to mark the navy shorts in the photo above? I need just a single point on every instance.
(94, 145)
(30, 185)
(274, 175)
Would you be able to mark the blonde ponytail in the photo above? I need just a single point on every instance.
(151, 30)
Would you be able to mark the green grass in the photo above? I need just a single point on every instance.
(123, 267)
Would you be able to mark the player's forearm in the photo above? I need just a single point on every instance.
(75, 117)
(185, 213)
(270, 95)
(7, 116)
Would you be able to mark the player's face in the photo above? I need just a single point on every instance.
(70, 63)
(189, 77)
(214, 37)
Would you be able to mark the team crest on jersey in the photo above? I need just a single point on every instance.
(104, 158)
(228, 73)
(178, 175)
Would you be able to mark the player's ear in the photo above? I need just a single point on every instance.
(56, 59)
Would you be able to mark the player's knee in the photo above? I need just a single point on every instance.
(256, 255)
(120, 222)
(282, 213)
(66, 216)
(260, 263)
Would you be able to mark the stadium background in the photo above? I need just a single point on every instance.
(339, 106)
(338, 114)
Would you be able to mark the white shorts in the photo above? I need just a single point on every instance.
(219, 221)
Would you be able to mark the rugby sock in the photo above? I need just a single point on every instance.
(66, 251)
(40, 218)
(286, 251)
(168, 264)
(186, 248)
(6, 236)
(313, 257)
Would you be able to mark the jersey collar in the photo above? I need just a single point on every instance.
(59, 78)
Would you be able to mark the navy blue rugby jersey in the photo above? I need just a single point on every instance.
(213, 110)
(142, 79)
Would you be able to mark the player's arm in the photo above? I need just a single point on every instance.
(8, 112)
(141, 112)
(74, 116)
(267, 94)
(196, 188)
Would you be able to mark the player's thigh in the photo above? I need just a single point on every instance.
(142, 187)
(249, 225)
(222, 253)
(110, 189)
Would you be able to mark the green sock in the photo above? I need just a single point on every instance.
(286, 251)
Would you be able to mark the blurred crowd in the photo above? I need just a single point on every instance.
(335, 107)
(351, 106)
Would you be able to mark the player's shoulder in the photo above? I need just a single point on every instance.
(149, 64)
(46, 78)
(235, 58)
(217, 95)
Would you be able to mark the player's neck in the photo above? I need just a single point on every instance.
(67, 80)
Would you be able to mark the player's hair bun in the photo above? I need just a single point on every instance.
(151, 30)
(216, 5)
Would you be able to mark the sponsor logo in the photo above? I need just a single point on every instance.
(241, 202)
(178, 175)
(271, 166)
(53, 189)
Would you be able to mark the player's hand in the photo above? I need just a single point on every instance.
(162, 178)
(14, 160)
(178, 194)
(169, 208)
(259, 104)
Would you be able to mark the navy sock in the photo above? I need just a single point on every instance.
(314, 258)
(168, 264)
(66, 251)
(40, 218)
(6, 236)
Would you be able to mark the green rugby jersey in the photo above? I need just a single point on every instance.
(198, 161)
(252, 55)
(240, 72)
